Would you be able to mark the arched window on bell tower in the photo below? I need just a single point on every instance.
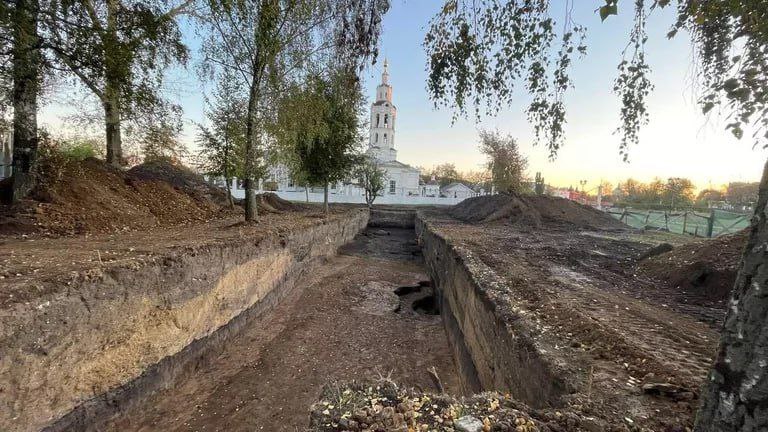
(376, 140)
(386, 120)
(385, 139)
(377, 120)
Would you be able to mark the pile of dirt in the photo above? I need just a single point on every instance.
(533, 211)
(180, 178)
(706, 269)
(385, 406)
(271, 203)
(94, 197)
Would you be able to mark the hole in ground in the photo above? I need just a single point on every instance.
(426, 305)
(419, 298)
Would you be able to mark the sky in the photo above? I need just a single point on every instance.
(678, 142)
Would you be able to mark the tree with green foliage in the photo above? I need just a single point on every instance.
(706, 197)
(678, 192)
(328, 152)
(268, 43)
(742, 193)
(505, 162)
(371, 179)
(222, 141)
(119, 51)
(445, 174)
(160, 142)
(480, 50)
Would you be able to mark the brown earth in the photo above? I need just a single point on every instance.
(345, 322)
(532, 210)
(94, 197)
(31, 267)
(702, 271)
(614, 330)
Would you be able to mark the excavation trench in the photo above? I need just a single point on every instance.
(368, 312)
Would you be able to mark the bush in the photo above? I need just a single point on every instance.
(79, 149)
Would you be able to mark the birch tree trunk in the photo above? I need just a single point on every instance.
(112, 78)
(735, 396)
(26, 84)
(325, 199)
(112, 124)
(251, 141)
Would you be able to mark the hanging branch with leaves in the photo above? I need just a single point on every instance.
(479, 51)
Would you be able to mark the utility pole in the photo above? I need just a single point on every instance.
(583, 191)
(600, 196)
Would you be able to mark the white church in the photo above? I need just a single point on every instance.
(402, 179)
(402, 184)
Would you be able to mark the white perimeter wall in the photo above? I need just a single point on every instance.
(356, 199)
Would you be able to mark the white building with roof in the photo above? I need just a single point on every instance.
(457, 190)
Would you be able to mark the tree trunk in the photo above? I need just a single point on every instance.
(112, 80)
(26, 84)
(325, 199)
(735, 396)
(229, 192)
(114, 140)
(225, 168)
(251, 142)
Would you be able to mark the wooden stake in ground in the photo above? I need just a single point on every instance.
(436, 379)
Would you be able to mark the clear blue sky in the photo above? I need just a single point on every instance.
(679, 141)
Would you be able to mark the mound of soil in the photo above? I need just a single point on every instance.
(181, 178)
(94, 197)
(532, 211)
(705, 269)
(490, 208)
(272, 203)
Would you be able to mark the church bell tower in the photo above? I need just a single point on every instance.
(381, 145)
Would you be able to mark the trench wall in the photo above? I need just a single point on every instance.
(87, 353)
(383, 217)
(493, 342)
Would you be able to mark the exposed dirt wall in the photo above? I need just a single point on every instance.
(392, 217)
(124, 332)
(493, 348)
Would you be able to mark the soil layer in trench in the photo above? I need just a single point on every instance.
(343, 321)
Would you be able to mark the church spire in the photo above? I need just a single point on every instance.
(385, 74)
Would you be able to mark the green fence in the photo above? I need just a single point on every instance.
(710, 224)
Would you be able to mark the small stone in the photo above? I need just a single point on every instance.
(468, 424)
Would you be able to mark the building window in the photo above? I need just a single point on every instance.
(385, 139)
(376, 139)
(386, 120)
(377, 120)
(392, 186)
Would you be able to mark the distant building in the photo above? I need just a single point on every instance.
(457, 190)
(431, 188)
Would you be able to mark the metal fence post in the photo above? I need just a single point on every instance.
(685, 220)
(711, 223)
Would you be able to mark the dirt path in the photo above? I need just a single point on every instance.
(346, 322)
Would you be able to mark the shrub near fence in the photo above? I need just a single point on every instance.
(702, 224)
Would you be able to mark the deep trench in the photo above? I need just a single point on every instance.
(367, 313)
